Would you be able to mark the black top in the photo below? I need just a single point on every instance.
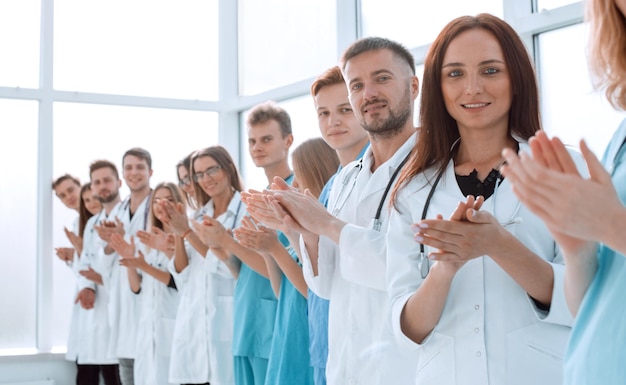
(471, 185)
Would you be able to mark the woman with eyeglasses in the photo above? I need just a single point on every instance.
(202, 345)
(480, 293)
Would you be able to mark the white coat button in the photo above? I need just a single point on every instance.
(478, 354)
(476, 330)
(476, 307)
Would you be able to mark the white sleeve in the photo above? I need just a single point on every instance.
(322, 283)
(403, 273)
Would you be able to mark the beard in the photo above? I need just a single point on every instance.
(393, 124)
(108, 199)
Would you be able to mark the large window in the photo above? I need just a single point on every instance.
(417, 23)
(18, 224)
(140, 47)
(19, 43)
(571, 108)
(282, 42)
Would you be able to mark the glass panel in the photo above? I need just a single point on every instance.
(543, 5)
(571, 108)
(84, 133)
(18, 224)
(304, 126)
(418, 23)
(292, 41)
(19, 66)
(141, 47)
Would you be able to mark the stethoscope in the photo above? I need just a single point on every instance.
(424, 263)
(377, 223)
(146, 209)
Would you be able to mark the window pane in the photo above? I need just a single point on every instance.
(551, 4)
(571, 108)
(18, 223)
(418, 22)
(139, 47)
(304, 126)
(294, 40)
(84, 133)
(19, 43)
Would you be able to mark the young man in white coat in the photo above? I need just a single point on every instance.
(136, 170)
(344, 249)
(94, 331)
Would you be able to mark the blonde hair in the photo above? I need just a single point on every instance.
(314, 162)
(607, 50)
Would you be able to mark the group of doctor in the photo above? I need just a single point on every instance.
(443, 254)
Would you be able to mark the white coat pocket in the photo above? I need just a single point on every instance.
(436, 361)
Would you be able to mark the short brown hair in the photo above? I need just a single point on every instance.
(267, 111)
(139, 153)
(101, 163)
(64, 177)
(330, 77)
(374, 44)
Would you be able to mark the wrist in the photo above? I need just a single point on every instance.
(186, 233)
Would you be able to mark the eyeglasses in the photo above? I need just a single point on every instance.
(210, 172)
(184, 182)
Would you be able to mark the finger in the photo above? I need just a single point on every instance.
(559, 158)
(476, 216)
(597, 172)
(542, 150)
(280, 184)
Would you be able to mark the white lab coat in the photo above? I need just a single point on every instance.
(93, 331)
(158, 307)
(490, 331)
(124, 304)
(202, 344)
(361, 348)
(73, 338)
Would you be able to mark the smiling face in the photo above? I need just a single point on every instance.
(161, 194)
(213, 185)
(136, 173)
(104, 185)
(380, 92)
(475, 82)
(184, 180)
(266, 144)
(337, 122)
(91, 203)
(69, 193)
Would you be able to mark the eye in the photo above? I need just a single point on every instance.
(383, 78)
(455, 73)
(267, 140)
(346, 110)
(322, 114)
(356, 86)
(491, 71)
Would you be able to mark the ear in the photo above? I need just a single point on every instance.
(415, 87)
(289, 140)
(150, 173)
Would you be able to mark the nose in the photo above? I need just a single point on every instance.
(333, 120)
(370, 91)
(473, 84)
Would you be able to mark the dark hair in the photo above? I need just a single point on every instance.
(438, 129)
(330, 77)
(186, 163)
(101, 163)
(65, 177)
(83, 213)
(139, 153)
(374, 44)
(176, 192)
(314, 162)
(267, 111)
(225, 161)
